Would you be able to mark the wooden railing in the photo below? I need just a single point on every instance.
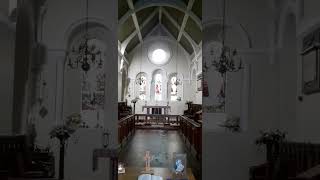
(192, 133)
(126, 127)
(157, 118)
(190, 129)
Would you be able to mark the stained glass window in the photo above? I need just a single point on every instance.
(158, 87)
(174, 89)
(142, 86)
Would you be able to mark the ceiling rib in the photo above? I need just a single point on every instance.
(185, 19)
(141, 4)
(165, 29)
(126, 16)
(175, 23)
(135, 20)
(133, 34)
(160, 14)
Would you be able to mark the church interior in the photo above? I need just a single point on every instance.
(160, 100)
(160, 89)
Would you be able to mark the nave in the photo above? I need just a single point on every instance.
(164, 137)
(252, 67)
(163, 143)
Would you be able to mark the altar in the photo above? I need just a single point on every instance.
(157, 109)
(156, 113)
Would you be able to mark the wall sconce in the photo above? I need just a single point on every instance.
(105, 138)
(121, 168)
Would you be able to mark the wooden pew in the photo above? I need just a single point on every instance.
(192, 133)
(13, 150)
(18, 159)
(123, 110)
(126, 127)
(192, 111)
(292, 160)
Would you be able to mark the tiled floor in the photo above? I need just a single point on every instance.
(162, 144)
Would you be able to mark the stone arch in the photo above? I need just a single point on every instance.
(193, 68)
(77, 29)
(24, 84)
(289, 10)
(73, 32)
(74, 35)
(240, 29)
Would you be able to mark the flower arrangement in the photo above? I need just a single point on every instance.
(64, 131)
(189, 102)
(270, 137)
(232, 123)
(135, 100)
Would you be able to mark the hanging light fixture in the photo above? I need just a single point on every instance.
(177, 81)
(84, 55)
(140, 80)
(226, 61)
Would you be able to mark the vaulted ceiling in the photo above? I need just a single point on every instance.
(181, 18)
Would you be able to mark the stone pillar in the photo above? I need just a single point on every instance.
(22, 68)
(56, 59)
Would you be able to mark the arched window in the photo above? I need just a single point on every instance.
(93, 89)
(158, 87)
(141, 86)
(173, 88)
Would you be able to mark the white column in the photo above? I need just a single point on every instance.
(56, 59)
(245, 94)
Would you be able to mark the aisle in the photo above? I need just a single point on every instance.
(161, 143)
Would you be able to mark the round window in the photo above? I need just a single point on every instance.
(159, 54)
